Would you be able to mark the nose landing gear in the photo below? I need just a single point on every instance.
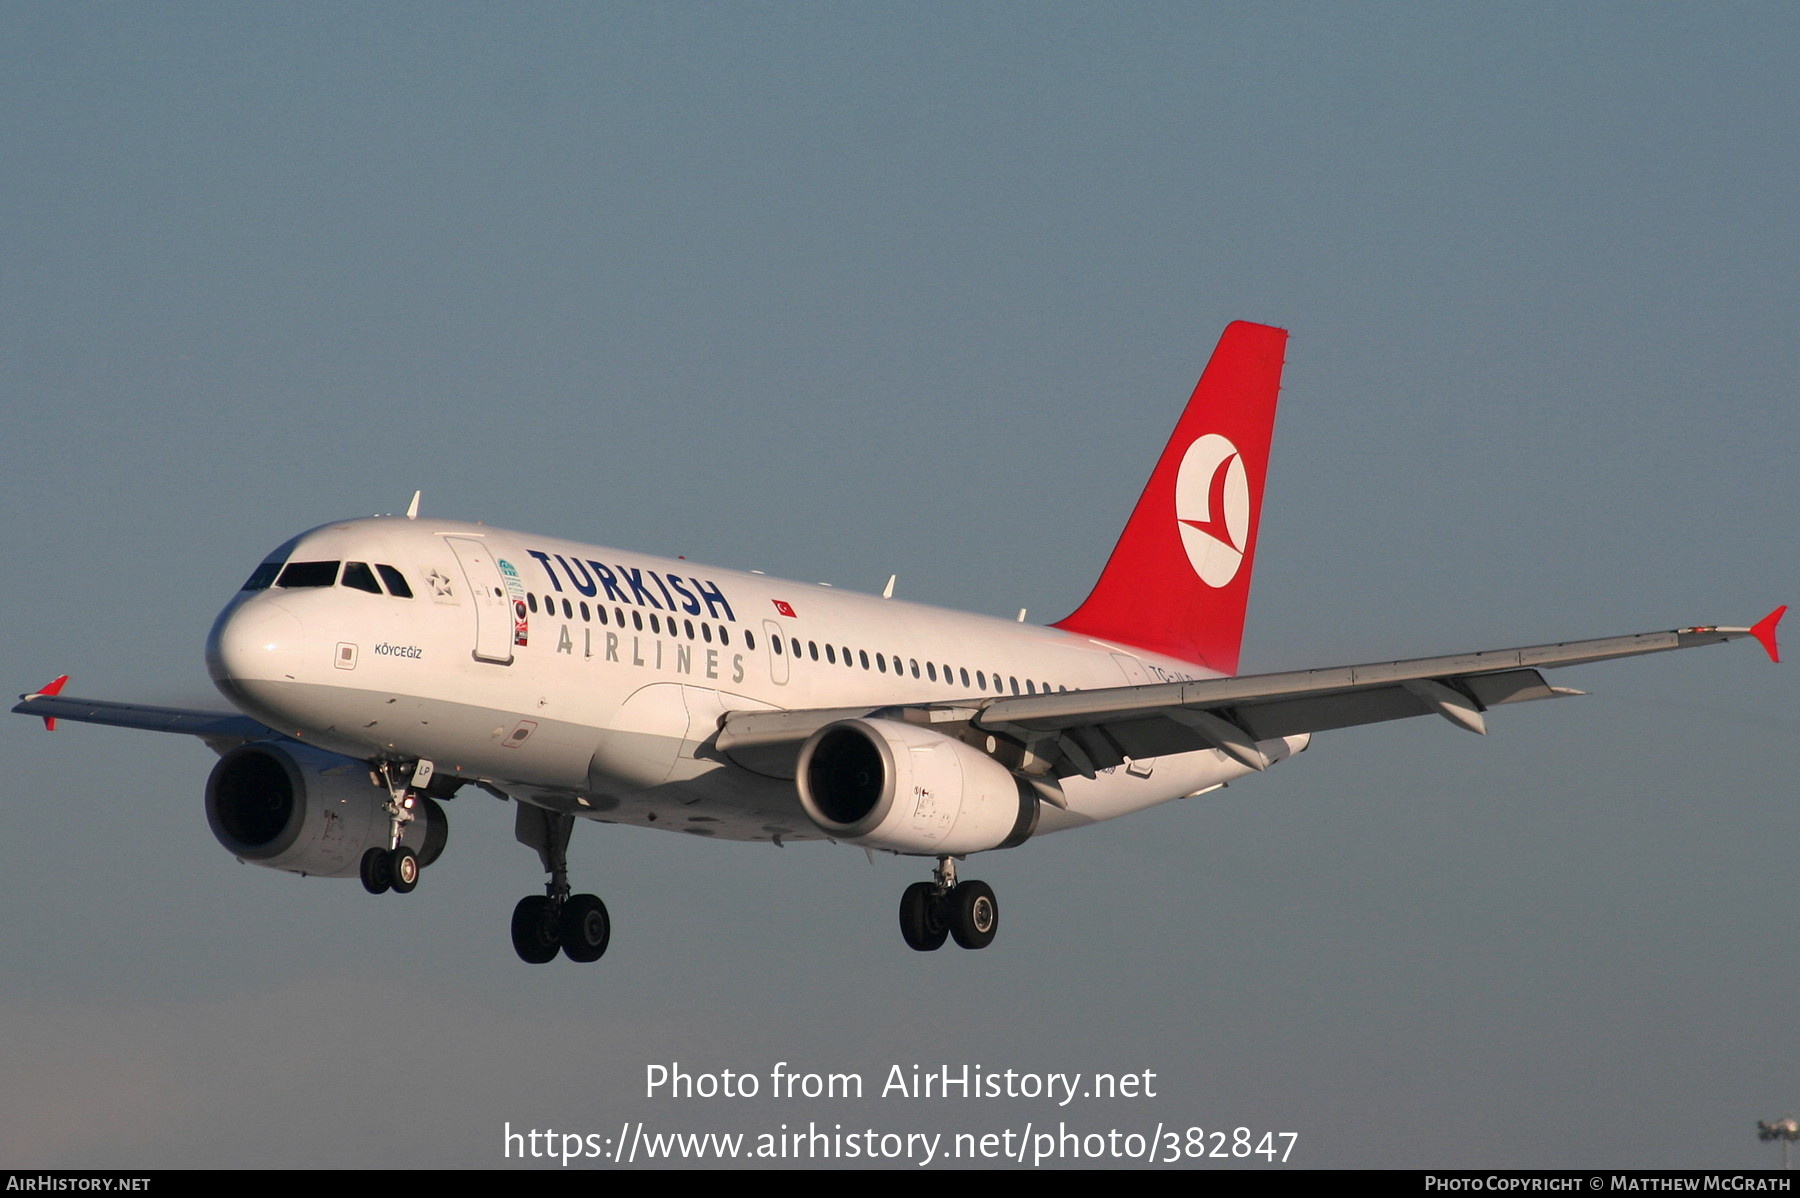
(397, 867)
(932, 912)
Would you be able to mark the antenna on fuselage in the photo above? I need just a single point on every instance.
(1021, 615)
(412, 509)
(887, 592)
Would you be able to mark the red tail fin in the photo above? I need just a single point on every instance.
(1179, 579)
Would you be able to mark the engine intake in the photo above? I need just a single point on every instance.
(296, 808)
(886, 784)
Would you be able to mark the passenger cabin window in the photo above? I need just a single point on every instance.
(358, 575)
(308, 574)
(396, 582)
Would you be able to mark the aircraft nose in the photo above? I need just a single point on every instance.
(253, 642)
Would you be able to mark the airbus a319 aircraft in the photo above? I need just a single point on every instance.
(382, 665)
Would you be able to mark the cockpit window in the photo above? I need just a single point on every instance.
(396, 582)
(358, 575)
(308, 574)
(263, 576)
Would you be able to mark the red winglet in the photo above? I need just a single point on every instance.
(1764, 632)
(51, 688)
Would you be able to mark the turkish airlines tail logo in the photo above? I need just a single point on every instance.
(1178, 582)
(1212, 508)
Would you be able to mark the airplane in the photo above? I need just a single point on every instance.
(379, 666)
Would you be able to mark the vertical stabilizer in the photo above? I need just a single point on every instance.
(1178, 581)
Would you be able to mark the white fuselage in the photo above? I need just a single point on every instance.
(591, 681)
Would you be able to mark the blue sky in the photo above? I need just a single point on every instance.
(844, 291)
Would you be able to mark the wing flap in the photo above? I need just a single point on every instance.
(1276, 718)
(1511, 686)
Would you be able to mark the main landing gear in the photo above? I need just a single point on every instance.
(931, 912)
(397, 867)
(543, 925)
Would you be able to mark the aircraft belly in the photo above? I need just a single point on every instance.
(460, 738)
(714, 801)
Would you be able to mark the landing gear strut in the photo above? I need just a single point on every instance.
(556, 921)
(397, 867)
(932, 912)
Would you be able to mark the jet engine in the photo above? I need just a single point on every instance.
(885, 784)
(293, 807)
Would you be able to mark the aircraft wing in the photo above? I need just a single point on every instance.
(1081, 732)
(219, 729)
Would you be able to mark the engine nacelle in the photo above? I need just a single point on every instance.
(885, 784)
(293, 807)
